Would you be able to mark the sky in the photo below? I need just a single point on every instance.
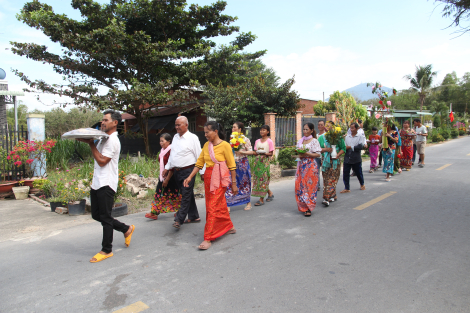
(327, 45)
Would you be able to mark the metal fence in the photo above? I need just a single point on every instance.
(8, 140)
(285, 131)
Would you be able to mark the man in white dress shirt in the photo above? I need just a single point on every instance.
(352, 158)
(185, 149)
(104, 184)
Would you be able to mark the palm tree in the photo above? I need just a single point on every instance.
(422, 81)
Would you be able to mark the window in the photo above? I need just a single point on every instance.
(192, 124)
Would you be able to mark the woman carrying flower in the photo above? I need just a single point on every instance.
(331, 167)
(306, 177)
(264, 149)
(220, 172)
(243, 171)
(389, 152)
(407, 134)
(167, 197)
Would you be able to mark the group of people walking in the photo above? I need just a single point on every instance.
(228, 177)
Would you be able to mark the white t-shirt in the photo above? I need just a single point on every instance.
(108, 174)
(419, 130)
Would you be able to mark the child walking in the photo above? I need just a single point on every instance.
(374, 140)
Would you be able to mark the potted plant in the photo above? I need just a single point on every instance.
(21, 192)
(120, 209)
(287, 162)
(5, 186)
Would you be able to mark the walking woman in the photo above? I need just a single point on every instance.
(243, 173)
(217, 155)
(167, 196)
(331, 168)
(407, 134)
(264, 149)
(306, 177)
(389, 153)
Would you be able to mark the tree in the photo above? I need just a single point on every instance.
(249, 101)
(458, 11)
(134, 55)
(22, 110)
(405, 100)
(422, 81)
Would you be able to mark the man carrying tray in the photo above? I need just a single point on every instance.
(104, 184)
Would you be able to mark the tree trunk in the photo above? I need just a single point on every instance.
(143, 124)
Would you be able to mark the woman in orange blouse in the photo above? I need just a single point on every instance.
(220, 172)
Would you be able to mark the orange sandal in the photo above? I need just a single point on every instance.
(100, 257)
(128, 238)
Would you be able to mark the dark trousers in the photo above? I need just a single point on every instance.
(380, 156)
(102, 201)
(188, 203)
(414, 153)
(357, 168)
(318, 160)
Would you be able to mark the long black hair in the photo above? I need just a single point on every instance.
(267, 128)
(312, 127)
(213, 125)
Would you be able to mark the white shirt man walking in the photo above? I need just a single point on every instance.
(104, 184)
(421, 134)
(185, 149)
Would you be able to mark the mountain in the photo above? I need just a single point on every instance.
(363, 92)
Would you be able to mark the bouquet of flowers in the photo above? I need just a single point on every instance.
(236, 140)
(334, 135)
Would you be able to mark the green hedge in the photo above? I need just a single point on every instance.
(454, 133)
(461, 132)
(445, 133)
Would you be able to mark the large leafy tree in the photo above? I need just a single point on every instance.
(459, 12)
(249, 100)
(134, 55)
(422, 81)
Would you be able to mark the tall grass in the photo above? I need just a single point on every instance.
(64, 151)
(145, 166)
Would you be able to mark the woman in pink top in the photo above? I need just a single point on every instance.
(264, 149)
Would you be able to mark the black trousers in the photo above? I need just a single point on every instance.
(102, 201)
(357, 168)
(188, 203)
(380, 156)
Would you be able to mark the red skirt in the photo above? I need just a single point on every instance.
(218, 220)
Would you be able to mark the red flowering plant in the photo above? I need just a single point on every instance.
(385, 105)
(32, 154)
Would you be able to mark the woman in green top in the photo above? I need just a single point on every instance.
(331, 168)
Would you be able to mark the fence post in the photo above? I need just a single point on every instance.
(270, 120)
(37, 132)
(298, 125)
(331, 117)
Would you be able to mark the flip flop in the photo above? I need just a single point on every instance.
(363, 187)
(128, 238)
(151, 216)
(259, 203)
(100, 257)
(270, 198)
(192, 221)
(247, 208)
(232, 231)
(308, 213)
(345, 191)
(176, 225)
(201, 247)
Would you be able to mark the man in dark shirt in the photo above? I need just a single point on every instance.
(352, 159)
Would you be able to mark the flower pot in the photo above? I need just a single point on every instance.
(119, 209)
(7, 186)
(55, 205)
(33, 191)
(21, 192)
(29, 183)
(77, 207)
(333, 153)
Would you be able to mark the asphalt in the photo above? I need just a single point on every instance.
(408, 252)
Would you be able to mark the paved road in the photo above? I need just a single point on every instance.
(408, 252)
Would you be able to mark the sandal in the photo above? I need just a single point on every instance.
(345, 191)
(308, 213)
(248, 207)
(205, 245)
(232, 231)
(270, 198)
(371, 171)
(176, 225)
(127, 240)
(191, 221)
(363, 187)
(100, 257)
(259, 203)
(151, 216)
(325, 203)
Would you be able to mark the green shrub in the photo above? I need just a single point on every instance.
(437, 138)
(66, 150)
(285, 158)
(454, 133)
(461, 132)
(445, 133)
